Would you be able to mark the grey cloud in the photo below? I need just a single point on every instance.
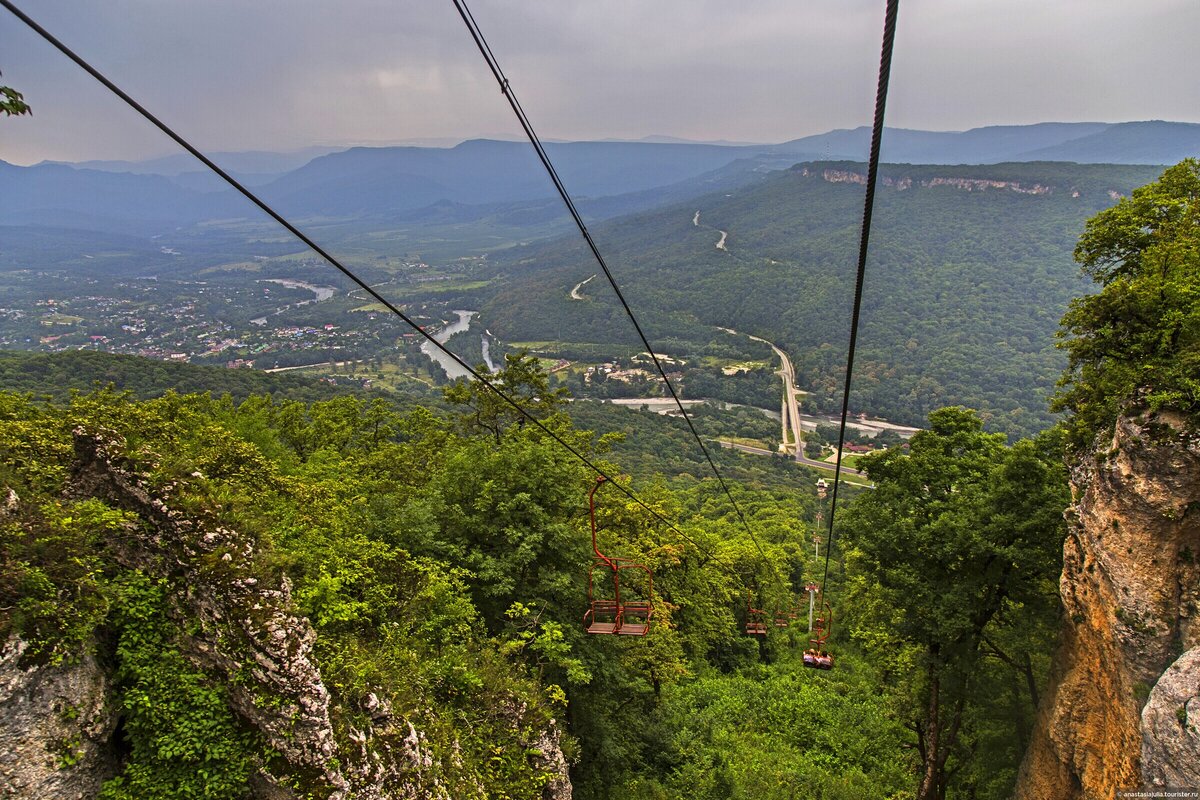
(279, 74)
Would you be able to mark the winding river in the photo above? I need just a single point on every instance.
(448, 364)
(320, 294)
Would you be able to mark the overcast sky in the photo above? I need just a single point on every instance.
(285, 74)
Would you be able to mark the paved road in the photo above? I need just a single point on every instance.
(799, 458)
(575, 295)
(318, 364)
(790, 416)
(790, 410)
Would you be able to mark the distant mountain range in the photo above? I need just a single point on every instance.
(370, 180)
(382, 183)
(1153, 142)
(246, 161)
(390, 181)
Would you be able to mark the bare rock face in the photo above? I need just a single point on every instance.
(1171, 726)
(550, 756)
(55, 727)
(1131, 588)
(545, 749)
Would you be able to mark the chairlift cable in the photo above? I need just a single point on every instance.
(885, 68)
(506, 88)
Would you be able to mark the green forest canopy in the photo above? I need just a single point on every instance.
(465, 533)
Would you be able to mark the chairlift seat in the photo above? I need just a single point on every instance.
(756, 620)
(603, 617)
(635, 618)
(822, 625)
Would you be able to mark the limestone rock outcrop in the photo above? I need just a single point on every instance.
(56, 727)
(1131, 592)
(1171, 726)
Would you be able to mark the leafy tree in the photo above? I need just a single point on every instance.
(887, 438)
(1140, 335)
(523, 380)
(12, 102)
(961, 537)
(777, 732)
(825, 434)
(186, 742)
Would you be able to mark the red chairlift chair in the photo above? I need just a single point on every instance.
(756, 618)
(612, 615)
(784, 618)
(817, 656)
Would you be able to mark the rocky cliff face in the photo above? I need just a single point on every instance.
(57, 727)
(58, 722)
(1123, 708)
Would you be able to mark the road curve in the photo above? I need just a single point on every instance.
(575, 295)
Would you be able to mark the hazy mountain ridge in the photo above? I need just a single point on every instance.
(1149, 142)
(357, 182)
(484, 171)
(252, 161)
(394, 180)
(993, 143)
(1129, 143)
(54, 194)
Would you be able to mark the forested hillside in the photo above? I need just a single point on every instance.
(644, 444)
(441, 562)
(969, 272)
(432, 559)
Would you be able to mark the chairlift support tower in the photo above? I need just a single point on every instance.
(812, 590)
